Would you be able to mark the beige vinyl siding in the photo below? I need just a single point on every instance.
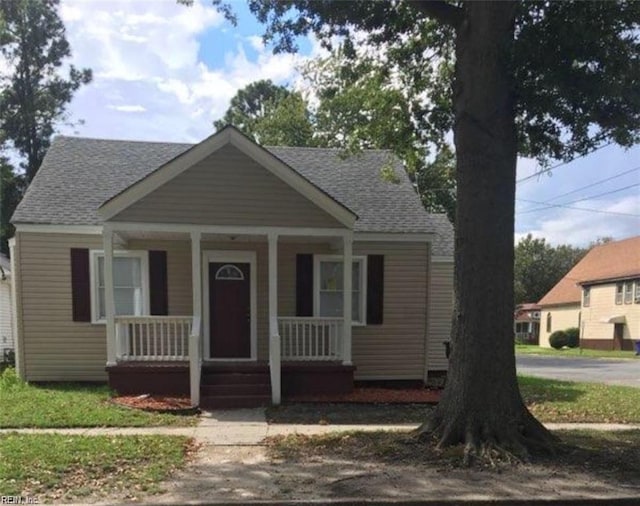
(440, 314)
(53, 346)
(602, 306)
(395, 349)
(227, 188)
(6, 332)
(562, 318)
(56, 348)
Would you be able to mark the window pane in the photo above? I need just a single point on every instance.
(330, 275)
(126, 271)
(355, 278)
(331, 304)
(102, 313)
(124, 301)
(355, 307)
(100, 271)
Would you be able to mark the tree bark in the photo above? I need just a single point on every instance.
(481, 404)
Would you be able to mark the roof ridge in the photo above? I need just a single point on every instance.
(138, 141)
(311, 148)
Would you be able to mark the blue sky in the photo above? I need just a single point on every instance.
(163, 71)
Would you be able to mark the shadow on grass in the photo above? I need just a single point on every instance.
(542, 390)
(348, 414)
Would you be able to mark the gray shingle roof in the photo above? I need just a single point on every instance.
(80, 174)
(442, 244)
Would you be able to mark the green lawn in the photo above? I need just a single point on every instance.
(71, 405)
(531, 349)
(564, 401)
(55, 468)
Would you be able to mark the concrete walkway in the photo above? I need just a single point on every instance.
(248, 427)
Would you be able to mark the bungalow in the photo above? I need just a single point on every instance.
(600, 296)
(219, 270)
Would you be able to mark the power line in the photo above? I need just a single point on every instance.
(580, 208)
(548, 169)
(548, 205)
(591, 185)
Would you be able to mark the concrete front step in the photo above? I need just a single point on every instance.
(228, 378)
(235, 389)
(234, 401)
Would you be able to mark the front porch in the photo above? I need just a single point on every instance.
(194, 354)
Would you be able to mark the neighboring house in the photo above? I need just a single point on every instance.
(217, 269)
(600, 296)
(526, 323)
(6, 325)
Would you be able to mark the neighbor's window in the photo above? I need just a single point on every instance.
(129, 284)
(329, 293)
(637, 295)
(586, 296)
(548, 322)
(628, 292)
(619, 292)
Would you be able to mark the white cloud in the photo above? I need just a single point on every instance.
(146, 58)
(571, 226)
(127, 108)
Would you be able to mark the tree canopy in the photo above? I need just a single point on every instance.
(270, 114)
(539, 266)
(548, 80)
(37, 86)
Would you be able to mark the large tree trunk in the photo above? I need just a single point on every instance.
(481, 405)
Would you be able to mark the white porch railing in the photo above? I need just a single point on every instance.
(147, 338)
(311, 338)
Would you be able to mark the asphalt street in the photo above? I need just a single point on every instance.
(610, 371)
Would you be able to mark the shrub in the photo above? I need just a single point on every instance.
(9, 380)
(573, 337)
(558, 339)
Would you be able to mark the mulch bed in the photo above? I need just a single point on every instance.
(369, 395)
(156, 403)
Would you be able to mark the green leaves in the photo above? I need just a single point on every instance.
(36, 92)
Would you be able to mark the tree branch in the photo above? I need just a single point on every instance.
(440, 10)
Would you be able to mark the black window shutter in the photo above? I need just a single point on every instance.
(80, 285)
(158, 286)
(304, 285)
(375, 289)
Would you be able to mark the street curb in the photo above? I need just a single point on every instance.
(614, 501)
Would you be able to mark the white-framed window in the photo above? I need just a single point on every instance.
(637, 294)
(628, 292)
(328, 293)
(586, 296)
(130, 284)
(619, 292)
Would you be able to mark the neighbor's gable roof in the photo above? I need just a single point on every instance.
(613, 260)
(78, 175)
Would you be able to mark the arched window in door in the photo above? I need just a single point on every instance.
(229, 272)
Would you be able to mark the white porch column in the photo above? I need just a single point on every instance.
(196, 273)
(109, 303)
(274, 335)
(195, 338)
(347, 290)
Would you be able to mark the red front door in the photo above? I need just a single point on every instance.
(230, 310)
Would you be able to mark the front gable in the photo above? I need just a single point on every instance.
(227, 180)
